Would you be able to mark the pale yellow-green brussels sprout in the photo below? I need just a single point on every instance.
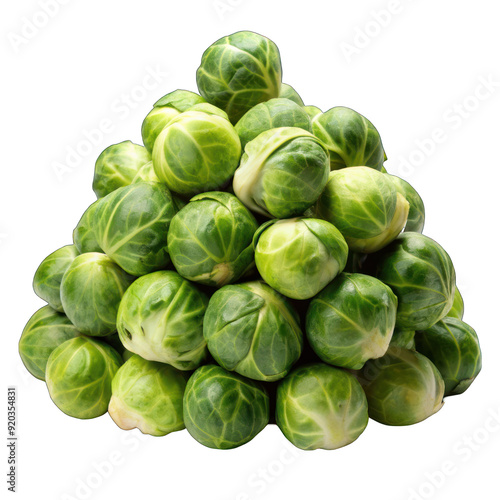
(148, 395)
(164, 110)
(196, 152)
(84, 237)
(299, 257)
(48, 276)
(79, 374)
(161, 319)
(117, 166)
(45, 330)
(365, 206)
(319, 406)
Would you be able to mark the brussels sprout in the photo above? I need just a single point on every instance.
(457, 308)
(365, 206)
(210, 239)
(282, 172)
(238, 72)
(288, 92)
(156, 120)
(351, 320)
(181, 100)
(422, 276)
(91, 290)
(84, 236)
(161, 319)
(223, 410)
(48, 276)
(351, 139)
(313, 112)
(403, 387)
(146, 174)
(114, 341)
(253, 330)
(453, 347)
(299, 257)
(416, 214)
(403, 338)
(79, 374)
(164, 110)
(131, 226)
(196, 152)
(148, 395)
(319, 406)
(45, 330)
(117, 166)
(275, 113)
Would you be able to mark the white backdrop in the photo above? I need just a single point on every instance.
(82, 75)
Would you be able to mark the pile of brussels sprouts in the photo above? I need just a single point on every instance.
(252, 263)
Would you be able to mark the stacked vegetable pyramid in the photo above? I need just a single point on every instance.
(258, 264)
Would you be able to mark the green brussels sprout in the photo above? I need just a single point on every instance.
(282, 172)
(146, 174)
(299, 257)
(91, 290)
(288, 92)
(210, 239)
(148, 396)
(196, 152)
(238, 72)
(223, 410)
(45, 330)
(351, 320)
(84, 237)
(403, 387)
(422, 276)
(319, 406)
(131, 226)
(365, 206)
(453, 347)
(274, 113)
(79, 374)
(457, 308)
(161, 319)
(156, 120)
(403, 338)
(253, 330)
(416, 214)
(48, 276)
(351, 139)
(181, 100)
(117, 166)
(313, 112)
